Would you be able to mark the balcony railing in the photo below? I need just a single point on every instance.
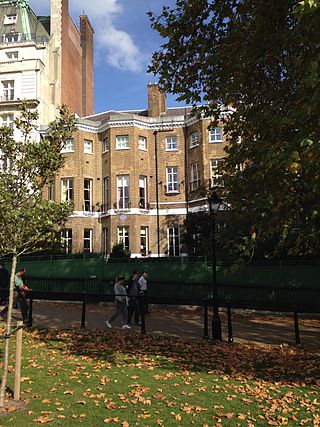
(22, 38)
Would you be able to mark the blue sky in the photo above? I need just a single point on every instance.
(124, 42)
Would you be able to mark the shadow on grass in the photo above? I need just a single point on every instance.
(269, 363)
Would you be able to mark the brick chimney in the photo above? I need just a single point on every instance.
(86, 34)
(156, 100)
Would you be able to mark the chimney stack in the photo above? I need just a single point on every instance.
(156, 100)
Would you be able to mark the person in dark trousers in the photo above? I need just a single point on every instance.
(133, 295)
(121, 304)
(4, 285)
(143, 290)
(22, 290)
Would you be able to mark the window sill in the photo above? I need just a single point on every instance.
(193, 146)
(143, 149)
(172, 149)
(124, 148)
(215, 142)
(172, 193)
(85, 152)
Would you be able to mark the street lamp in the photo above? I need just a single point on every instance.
(214, 202)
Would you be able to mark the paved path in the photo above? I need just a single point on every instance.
(258, 328)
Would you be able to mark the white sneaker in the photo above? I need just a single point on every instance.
(108, 324)
(126, 327)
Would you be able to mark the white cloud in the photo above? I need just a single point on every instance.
(115, 46)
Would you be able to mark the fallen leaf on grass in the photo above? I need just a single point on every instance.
(43, 420)
(111, 420)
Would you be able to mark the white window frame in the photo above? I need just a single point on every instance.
(143, 201)
(66, 240)
(172, 143)
(7, 120)
(87, 146)
(105, 145)
(122, 142)
(194, 140)
(215, 135)
(123, 236)
(68, 146)
(67, 189)
(142, 143)
(195, 176)
(12, 55)
(173, 235)
(144, 240)
(87, 191)
(87, 239)
(216, 178)
(7, 90)
(172, 178)
(10, 19)
(123, 192)
(105, 205)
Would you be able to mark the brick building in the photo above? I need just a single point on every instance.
(46, 60)
(134, 175)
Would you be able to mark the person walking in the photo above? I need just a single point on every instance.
(121, 304)
(143, 290)
(133, 295)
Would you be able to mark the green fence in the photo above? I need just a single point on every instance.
(93, 272)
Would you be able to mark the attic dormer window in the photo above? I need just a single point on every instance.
(10, 19)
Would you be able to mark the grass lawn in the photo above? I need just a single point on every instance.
(93, 378)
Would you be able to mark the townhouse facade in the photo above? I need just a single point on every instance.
(46, 60)
(133, 176)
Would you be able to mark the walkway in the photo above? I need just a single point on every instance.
(258, 328)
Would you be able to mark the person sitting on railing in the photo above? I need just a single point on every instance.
(22, 289)
(4, 285)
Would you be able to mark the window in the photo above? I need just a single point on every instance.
(123, 236)
(68, 146)
(87, 240)
(10, 19)
(13, 55)
(142, 143)
(7, 90)
(142, 192)
(87, 194)
(67, 190)
(66, 240)
(215, 135)
(11, 37)
(123, 192)
(122, 142)
(105, 205)
(105, 241)
(51, 191)
(105, 145)
(144, 239)
(7, 120)
(195, 177)
(171, 143)
(216, 172)
(194, 139)
(88, 146)
(172, 179)
(173, 241)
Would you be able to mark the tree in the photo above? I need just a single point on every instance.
(260, 60)
(119, 252)
(29, 222)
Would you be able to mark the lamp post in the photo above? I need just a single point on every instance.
(214, 202)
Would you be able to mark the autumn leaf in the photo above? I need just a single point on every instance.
(43, 420)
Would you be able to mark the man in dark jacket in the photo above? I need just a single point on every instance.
(133, 295)
(4, 285)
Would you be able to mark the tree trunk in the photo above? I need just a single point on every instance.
(8, 329)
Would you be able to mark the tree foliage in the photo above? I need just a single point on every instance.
(261, 59)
